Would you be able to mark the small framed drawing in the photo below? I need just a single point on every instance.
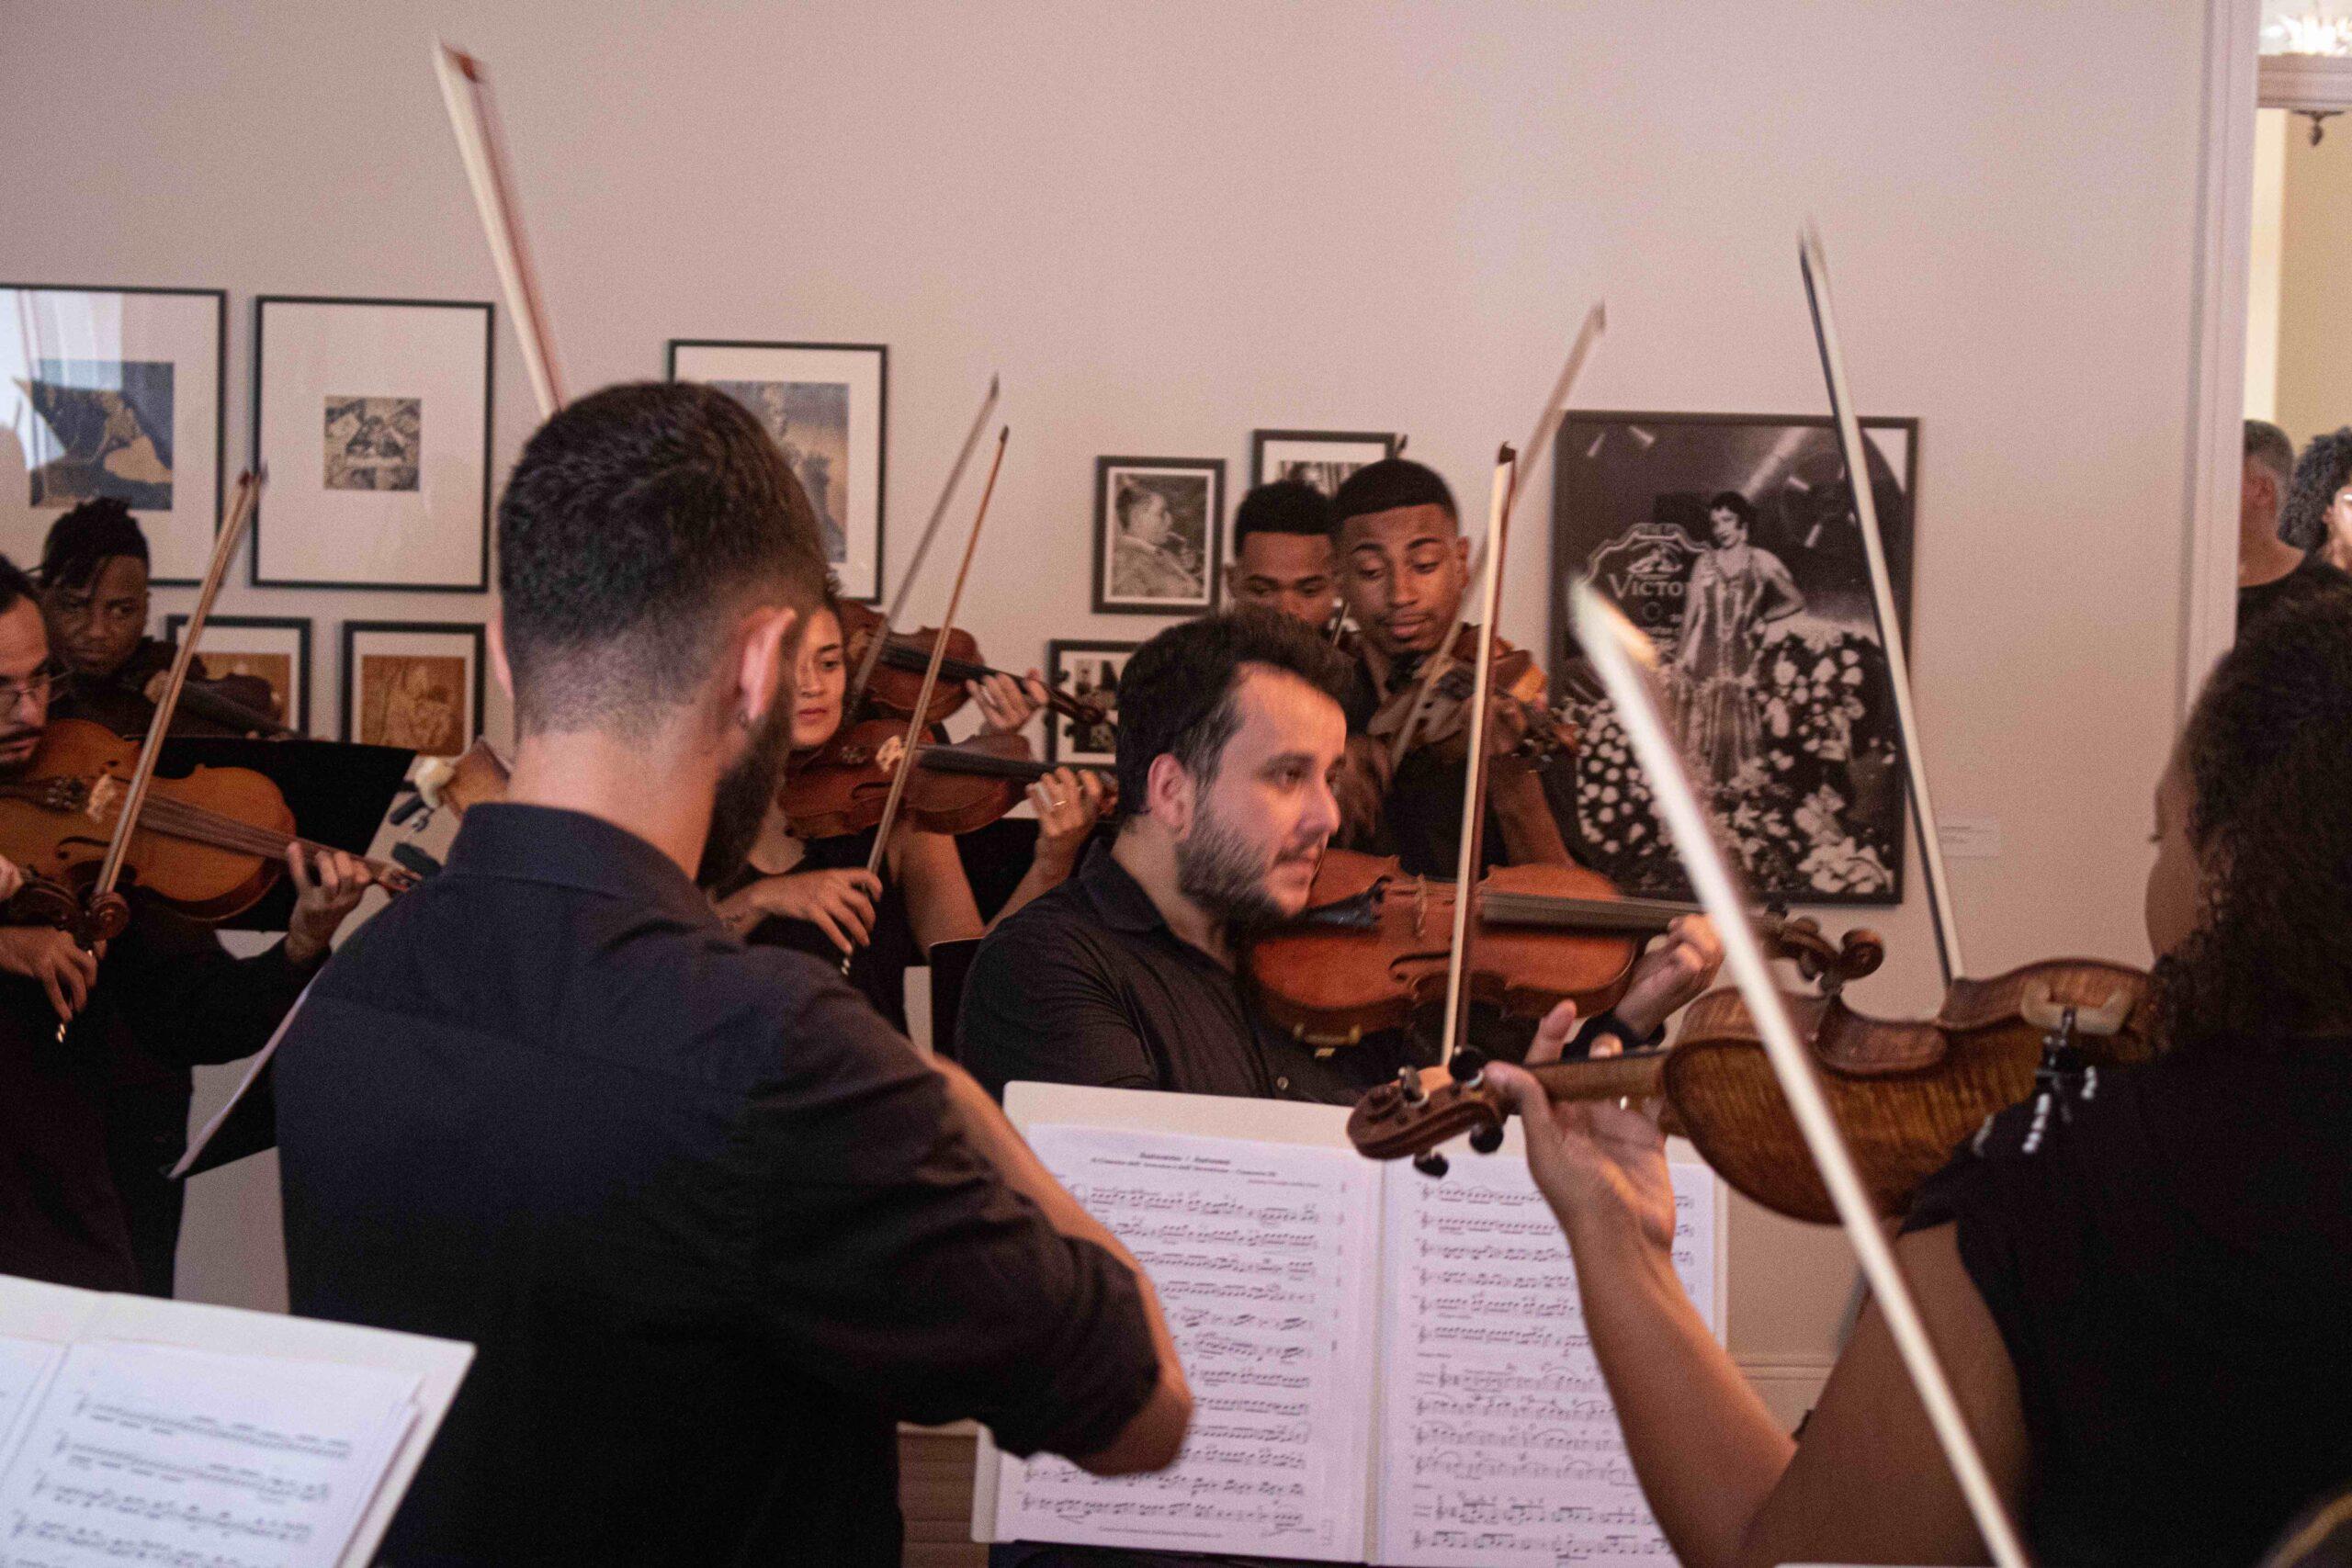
(1090, 671)
(1324, 458)
(272, 648)
(371, 418)
(114, 392)
(828, 406)
(1158, 534)
(415, 685)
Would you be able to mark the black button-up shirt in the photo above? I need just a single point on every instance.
(709, 1221)
(1087, 984)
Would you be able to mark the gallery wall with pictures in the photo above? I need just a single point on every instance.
(1270, 219)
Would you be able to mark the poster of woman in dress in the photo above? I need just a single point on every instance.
(1731, 540)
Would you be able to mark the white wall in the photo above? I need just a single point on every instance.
(1167, 225)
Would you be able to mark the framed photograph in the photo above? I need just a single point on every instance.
(272, 648)
(1324, 458)
(372, 419)
(414, 685)
(827, 405)
(1089, 671)
(114, 392)
(1158, 534)
(1731, 539)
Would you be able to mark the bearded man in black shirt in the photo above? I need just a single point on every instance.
(711, 1224)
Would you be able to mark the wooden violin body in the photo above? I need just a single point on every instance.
(895, 682)
(843, 786)
(56, 821)
(1445, 705)
(1374, 944)
(1904, 1093)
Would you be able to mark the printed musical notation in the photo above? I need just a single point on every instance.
(1259, 1253)
(1499, 1443)
(183, 1459)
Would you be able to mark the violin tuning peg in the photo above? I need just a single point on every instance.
(1466, 1064)
(1431, 1163)
(1486, 1139)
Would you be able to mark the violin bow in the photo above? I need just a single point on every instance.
(1473, 793)
(1532, 454)
(930, 672)
(923, 547)
(1623, 658)
(465, 89)
(1816, 268)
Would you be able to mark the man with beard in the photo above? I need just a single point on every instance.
(1230, 734)
(711, 1223)
(1230, 731)
(166, 983)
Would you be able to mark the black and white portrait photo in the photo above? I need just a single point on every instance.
(826, 406)
(1089, 671)
(372, 443)
(1159, 531)
(1323, 458)
(1731, 541)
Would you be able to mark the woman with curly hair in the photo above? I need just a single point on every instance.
(2143, 1302)
(2318, 513)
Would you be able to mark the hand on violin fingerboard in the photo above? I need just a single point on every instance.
(12, 879)
(1069, 803)
(328, 885)
(1007, 704)
(66, 970)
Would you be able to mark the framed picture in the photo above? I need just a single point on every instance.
(273, 648)
(1324, 458)
(828, 406)
(415, 685)
(1088, 670)
(1731, 539)
(1158, 534)
(114, 392)
(371, 418)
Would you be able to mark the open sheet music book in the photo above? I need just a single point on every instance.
(1385, 1369)
(135, 1430)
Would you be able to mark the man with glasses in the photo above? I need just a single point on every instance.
(165, 984)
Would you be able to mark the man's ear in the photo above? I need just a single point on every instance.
(1170, 795)
(498, 665)
(769, 640)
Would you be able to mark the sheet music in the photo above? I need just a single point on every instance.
(1500, 1444)
(149, 1453)
(1262, 1257)
(26, 1366)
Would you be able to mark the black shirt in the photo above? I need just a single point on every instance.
(167, 984)
(879, 968)
(1421, 813)
(2171, 1271)
(711, 1223)
(2261, 598)
(1087, 984)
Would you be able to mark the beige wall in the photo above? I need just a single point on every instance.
(2315, 323)
(1169, 224)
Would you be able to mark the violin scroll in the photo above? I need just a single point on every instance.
(1828, 966)
(1419, 1111)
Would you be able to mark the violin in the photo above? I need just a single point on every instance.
(1373, 946)
(1904, 1092)
(1444, 704)
(209, 844)
(895, 684)
(844, 784)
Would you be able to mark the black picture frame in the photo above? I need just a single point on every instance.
(480, 582)
(298, 624)
(1211, 545)
(349, 671)
(1389, 442)
(1789, 719)
(1060, 733)
(868, 588)
(220, 298)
